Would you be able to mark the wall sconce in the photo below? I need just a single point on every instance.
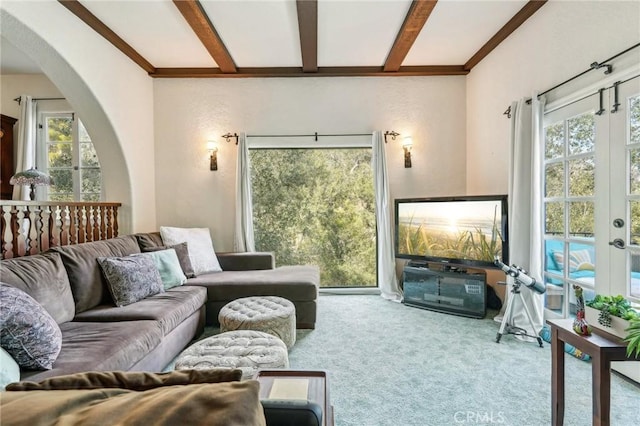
(212, 147)
(407, 143)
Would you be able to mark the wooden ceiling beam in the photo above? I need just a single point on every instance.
(197, 18)
(518, 19)
(414, 21)
(308, 28)
(98, 26)
(376, 71)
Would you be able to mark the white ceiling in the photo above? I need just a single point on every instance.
(264, 33)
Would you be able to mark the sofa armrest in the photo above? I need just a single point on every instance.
(230, 261)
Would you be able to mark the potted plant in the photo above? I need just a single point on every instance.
(615, 315)
(633, 337)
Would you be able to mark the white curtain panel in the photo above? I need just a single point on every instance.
(525, 209)
(244, 237)
(387, 280)
(26, 143)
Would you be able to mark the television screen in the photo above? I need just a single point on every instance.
(467, 231)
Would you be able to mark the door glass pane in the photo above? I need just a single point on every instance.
(317, 206)
(88, 155)
(59, 129)
(634, 119)
(554, 218)
(581, 177)
(59, 155)
(90, 179)
(635, 274)
(83, 136)
(581, 134)
(634, 171)
(62, 182)
(554, 141)
(554, 180)
(581, 219)
(634, 225)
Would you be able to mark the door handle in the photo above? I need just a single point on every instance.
(617, 243)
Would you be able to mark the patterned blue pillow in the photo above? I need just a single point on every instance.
(131, 278)
(28, 333)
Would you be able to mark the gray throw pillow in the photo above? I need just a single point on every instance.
(182, 250)
(130, 278)
(27, 331)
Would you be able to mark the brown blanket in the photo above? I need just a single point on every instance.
(186, 397)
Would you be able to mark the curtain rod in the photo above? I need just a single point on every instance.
(19, 99)
(593, 66)
(315, 135)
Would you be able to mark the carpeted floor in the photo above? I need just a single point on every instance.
(390, 364)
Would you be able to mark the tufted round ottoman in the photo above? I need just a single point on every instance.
(270, 314)
(247, 350)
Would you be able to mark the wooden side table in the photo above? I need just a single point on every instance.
(603, 349)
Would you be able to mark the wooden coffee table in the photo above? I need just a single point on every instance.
(318, 389)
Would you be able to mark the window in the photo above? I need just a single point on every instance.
(316, 206)
(591, 174)
(68, 155)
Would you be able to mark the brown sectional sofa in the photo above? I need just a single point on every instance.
(148, 334)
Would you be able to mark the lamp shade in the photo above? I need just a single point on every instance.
(31, 177)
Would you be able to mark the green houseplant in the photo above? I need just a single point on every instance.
(620, 307)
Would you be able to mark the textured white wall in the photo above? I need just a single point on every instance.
(559, 41)
(112, 95)
(188, 112)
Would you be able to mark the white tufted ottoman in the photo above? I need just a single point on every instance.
(270, 314)
(246, 350)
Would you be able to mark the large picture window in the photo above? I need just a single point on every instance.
(316, 206)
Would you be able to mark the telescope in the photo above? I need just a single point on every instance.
(520, 276)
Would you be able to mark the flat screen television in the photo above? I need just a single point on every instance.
(457, 231)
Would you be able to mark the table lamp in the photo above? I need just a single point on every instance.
(33, 178)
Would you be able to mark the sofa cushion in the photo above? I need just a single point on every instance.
(27, 331)
(101, 346)
(295, 283)
(87, 283)
(131, 278)
(201, 252)
(43, 277)
(168, 266)
(149, 240)
(169, 308)
(182, 251)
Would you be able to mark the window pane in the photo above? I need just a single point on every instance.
(317, 206)
(554, 180)
(581, 219)
(554, 218)
(59, 155)
(554, 141)
(581, 134)
(62, 182)
(634, 171)
(88, 156)
(634, 119)
(61, 197)
(59, 129)
(581, 177)
(83, 136)
(90, 179)
(634, 209)
(635, 274)
(90, 197)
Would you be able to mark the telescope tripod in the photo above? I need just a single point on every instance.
(512, 329)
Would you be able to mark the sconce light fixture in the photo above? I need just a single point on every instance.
(407, 143)
(212, 147)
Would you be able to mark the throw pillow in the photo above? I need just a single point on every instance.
(201, 252)
(168, 266)
(28, 333)
(579, 260)
(130, 278)
(9, 369)
(182, 250)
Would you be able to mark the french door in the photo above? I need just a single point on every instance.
(592, 197)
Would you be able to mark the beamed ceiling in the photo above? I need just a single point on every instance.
(304, 38)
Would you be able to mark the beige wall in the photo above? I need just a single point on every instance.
(12, 86)
(559, 41)
(188, 112)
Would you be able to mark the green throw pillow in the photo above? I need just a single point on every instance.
(169, 267)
